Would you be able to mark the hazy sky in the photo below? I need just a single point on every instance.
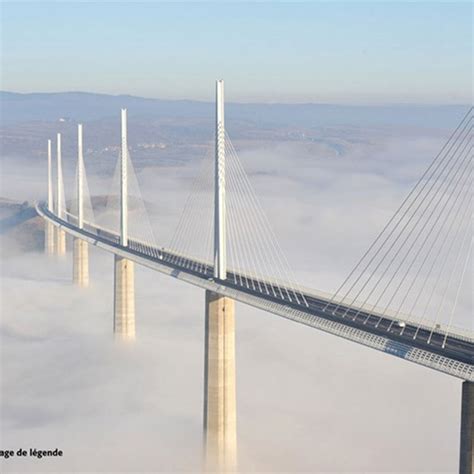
(332, 52)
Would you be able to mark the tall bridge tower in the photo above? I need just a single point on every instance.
(124, 277)
(80, 272)
(60, 202)
(220, 436)
(49, 227)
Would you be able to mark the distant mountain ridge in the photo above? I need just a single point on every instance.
(85, 106)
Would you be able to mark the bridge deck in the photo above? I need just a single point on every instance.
(453, 354)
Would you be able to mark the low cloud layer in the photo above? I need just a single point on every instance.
(307, 401)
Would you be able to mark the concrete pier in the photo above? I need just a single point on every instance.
(49, 233)
(60, 242)
(124, 299)
(80, 263)
(220, 436)
(466, 461)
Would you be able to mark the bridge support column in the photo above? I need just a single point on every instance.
(60, 242)
(49, 238)
(220, 436)
(466, 461)
(80, 263)
(124, 299)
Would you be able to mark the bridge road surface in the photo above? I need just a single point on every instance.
(456, 347)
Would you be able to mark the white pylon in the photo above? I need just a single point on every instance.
(80, 178)
(59, 179)
(220, 270)
(124, 183)
(60, 233)
(80, 261)
(50, 179)
(49, 230)
(124, 279)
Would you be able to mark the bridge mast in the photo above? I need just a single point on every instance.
(124, 182)
(59, 178)
(49, 228)
(80, 259)
(124, 273)
(61, 234)
(220, 412)
(220, 270)
(80, 179)
(50, 179)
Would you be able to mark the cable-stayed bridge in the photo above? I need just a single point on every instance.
(401, 297)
